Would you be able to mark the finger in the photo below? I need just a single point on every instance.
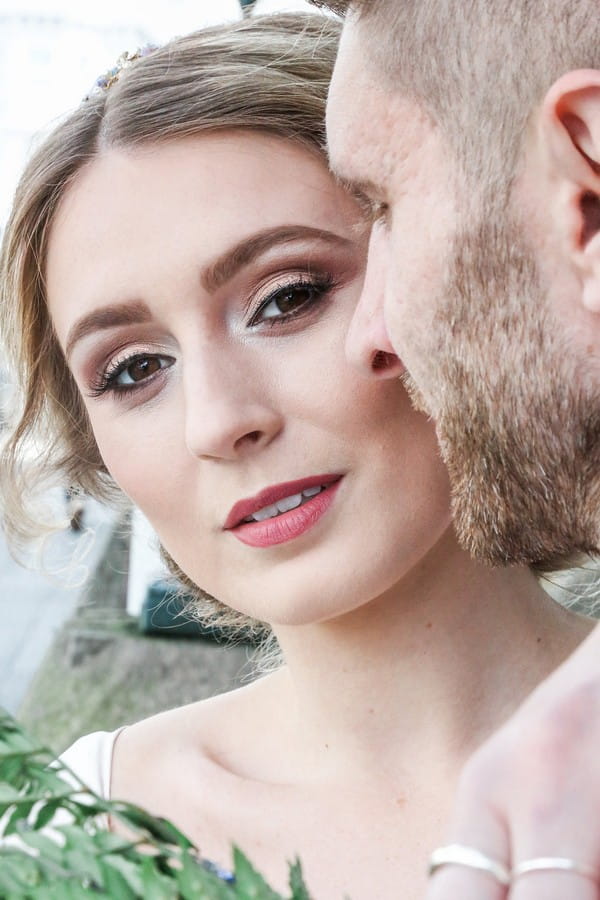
(452, 882)
(476, 824)
(554, 886)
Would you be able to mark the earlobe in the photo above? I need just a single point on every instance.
(590, 272)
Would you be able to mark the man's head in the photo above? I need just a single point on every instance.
(473, 129)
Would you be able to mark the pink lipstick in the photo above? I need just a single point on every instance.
(282, 512)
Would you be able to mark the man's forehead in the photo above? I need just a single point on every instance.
(374, 134)
(352, 94)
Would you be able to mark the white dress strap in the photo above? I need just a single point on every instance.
(90, 759)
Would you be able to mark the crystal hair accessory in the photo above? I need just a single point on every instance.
(125, 60)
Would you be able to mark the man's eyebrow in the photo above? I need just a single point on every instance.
(360, 188)
(132, 313)
(234, 260)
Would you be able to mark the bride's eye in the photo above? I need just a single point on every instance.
(140, 369)
(130, 373)
(291, 300)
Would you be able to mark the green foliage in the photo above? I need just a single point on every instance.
(53, 846)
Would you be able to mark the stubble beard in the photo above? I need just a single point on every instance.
(517, 411)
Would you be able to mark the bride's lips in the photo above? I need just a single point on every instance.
(287, 525)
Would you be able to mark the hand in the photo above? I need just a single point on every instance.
(533, 790)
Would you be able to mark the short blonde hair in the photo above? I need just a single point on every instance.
(268, 73)
(479, 68)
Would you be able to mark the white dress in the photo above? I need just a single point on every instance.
(90, 759)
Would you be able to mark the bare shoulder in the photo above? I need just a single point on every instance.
(200, 739)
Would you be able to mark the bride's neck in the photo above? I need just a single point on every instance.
(427, 670)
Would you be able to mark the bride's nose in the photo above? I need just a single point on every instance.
(228, 413)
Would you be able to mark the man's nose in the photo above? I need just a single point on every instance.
(368, 346)
(227, 413)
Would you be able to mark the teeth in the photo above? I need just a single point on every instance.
(267, 512)
(289, 503)
(313, 491)
(284, 505)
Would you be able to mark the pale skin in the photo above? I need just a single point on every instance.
(401, 653)
(533, 789)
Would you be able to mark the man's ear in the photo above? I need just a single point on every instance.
(570, 123)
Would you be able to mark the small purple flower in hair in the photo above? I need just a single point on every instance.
(126, 59)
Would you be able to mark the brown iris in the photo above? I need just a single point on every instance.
(143, 368)
(294, 297)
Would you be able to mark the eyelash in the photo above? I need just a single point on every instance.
(321, 287)
(380, 213)
(107, 381)
(375, 211)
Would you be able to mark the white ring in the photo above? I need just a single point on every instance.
(555, 864)
(461, 855)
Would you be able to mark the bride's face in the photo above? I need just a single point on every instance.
(202, 290)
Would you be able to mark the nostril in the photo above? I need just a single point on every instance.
(251, 437)
(382, 360)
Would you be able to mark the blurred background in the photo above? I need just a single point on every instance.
(89, 638)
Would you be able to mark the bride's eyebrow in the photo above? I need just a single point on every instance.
(132, 313)
(225, 267)
(212, 277)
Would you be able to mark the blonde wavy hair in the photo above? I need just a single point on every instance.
(268, 74)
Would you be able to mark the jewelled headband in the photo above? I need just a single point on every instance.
(125, 60)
